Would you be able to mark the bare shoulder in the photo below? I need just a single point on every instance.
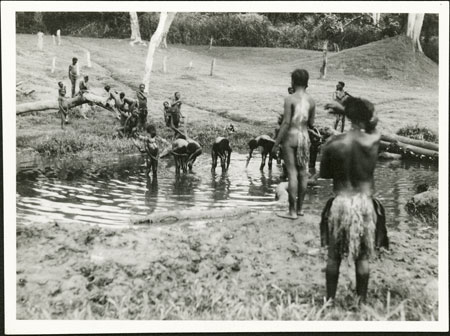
(336, 143)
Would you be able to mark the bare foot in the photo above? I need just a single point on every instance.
(286, 215)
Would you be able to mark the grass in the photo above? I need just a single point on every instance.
(247, 88)
(418, 133)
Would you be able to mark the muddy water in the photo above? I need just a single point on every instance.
(116, 191)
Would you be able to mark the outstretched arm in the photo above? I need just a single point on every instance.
(284, 125)
(135, 142)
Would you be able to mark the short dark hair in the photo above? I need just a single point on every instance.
(300, 77)
(107, 87)
(74, 59)
(361, 110)
(341, 83)
(252, 144)
(122, 94)
(151, 130)
(60, 83)
(86, 77)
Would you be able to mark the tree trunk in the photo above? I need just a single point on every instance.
(376, 18)
(414, 27)
(165, 20)
(135, 32)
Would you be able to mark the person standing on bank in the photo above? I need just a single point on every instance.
(353, 222)
(299, 113)
(73, 74)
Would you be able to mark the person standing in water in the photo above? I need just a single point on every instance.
(299, 113)
(353, 222)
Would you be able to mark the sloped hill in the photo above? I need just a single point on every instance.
(391, 58)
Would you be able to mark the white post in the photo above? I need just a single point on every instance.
(211, 43)
(54, 39)
(165, 64)
(88, 59)
(58, 34)
(40, 40)
(190, 65)
(213, 64)
(53, 64)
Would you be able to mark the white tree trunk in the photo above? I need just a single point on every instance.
(58, 35)
(135, 31)
(415, 21)
(376, 18)
(165, 20)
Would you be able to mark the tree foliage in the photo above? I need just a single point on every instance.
(291, 30)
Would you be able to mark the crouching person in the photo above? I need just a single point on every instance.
(353, 222)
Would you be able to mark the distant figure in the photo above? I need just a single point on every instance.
(340, 96)
(167, 114)
(353, 222)
(149, 147)
(175, 107)
(299, 113)
(266, 143)
(142, 105)
(73, 74)
(84, 85)
(61, 97)
(221, 149)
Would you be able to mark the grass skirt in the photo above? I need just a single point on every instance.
(352, 222)
(303, 144)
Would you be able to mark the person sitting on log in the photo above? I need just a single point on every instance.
(221, 148)
(353, 222)
(84, 85)
(149, 147)
(64, 113)
(142, 105)
(266, 143)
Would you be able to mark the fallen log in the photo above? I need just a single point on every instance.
(37, 106)
(68, 103)
(409, 141)
(408, 150)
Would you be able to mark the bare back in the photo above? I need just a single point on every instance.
(299, 112)
(350, 161)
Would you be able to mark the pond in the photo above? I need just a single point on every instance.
(116, 191)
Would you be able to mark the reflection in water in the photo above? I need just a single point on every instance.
(221, 184)
(113, 192)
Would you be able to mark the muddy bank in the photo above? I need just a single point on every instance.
(232, 265)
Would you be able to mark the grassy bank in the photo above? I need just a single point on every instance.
(235, 265)
(247, 88)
